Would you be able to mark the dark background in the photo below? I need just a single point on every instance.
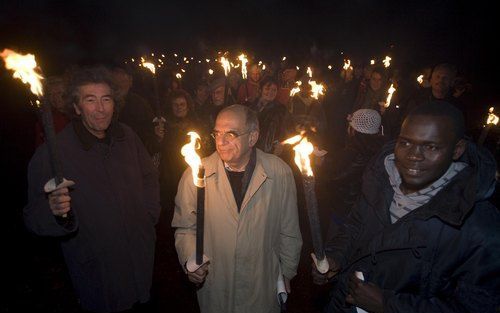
(63, 33)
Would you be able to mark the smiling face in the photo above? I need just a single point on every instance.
(180, 107)
(269, 92)
(95, 107)
(425, 150)
(235, 152)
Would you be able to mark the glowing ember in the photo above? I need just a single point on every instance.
(188, 151)
(387, 61)
(244, 62)
(24, 67)
(295, 89)
(420, 79)
(225, 65)
(302, 152)
(316, 89)
(389, 96)
(492, 118)
(149, 66)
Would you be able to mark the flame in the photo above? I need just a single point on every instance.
(295, 89)
(133, 60)
(264, 67)
(330, 67)
(225, 65)
(347, 64)
(302, 152)
(149, 66)
(309, 72)
(283, 59)
(178, 75)
(175, 55)
(260, 63)
(183, 70)
(188, 151)
(492, 118)
(372, 62)
(244, 62)
(420, 79)
(207, 60)
(24, 67)
(387, 61)
(389, 96)
(210, 71)
(162, 55)
(297, 67)
(316, 89)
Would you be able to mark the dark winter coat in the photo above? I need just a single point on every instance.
(109, 238)
(442, 257)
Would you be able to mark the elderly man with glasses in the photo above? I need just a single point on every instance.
(251, 231)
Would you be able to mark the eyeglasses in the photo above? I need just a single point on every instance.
(229, 136)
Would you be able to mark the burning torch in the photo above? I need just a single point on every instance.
(227, 68)
(159, 119)
(491, 120)
(25, 69)
(303, 148)
(198, 171)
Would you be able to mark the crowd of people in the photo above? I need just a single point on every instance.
(403, 187)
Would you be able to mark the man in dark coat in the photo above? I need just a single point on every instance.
(106, 220)
(422, 234)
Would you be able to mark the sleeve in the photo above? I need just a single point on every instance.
(150, 181)
(184, 219)
(38, 217)
(290, 236)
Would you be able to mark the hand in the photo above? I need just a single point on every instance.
(367, 296)
(321, 279)
(198, 276)
(59, 201)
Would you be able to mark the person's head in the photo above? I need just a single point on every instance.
(268, 89)
(254, 72)
(431, 138)
(234, 79)
(377, 79)
(217, 89)
(54, 89)
(236, 132)
(442, 78)
(364, 121)
(123, 80)
(201, 92)
(289, 75)
(91, 96)
(180, 103)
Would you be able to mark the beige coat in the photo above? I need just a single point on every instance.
(246, 250)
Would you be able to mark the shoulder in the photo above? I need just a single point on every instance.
(273, 164)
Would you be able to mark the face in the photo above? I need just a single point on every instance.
(95, 107)
(123, 81)
(218, 95)
(235, 152)
(375, 81)
(254, 73)
(202, 93)
(424, 150)
(269, 92)
(56, 96)
(441, 80)
(289, 75)
(180, 107)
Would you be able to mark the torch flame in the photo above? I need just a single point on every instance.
(302, 152)
(420, 79)
(149, 66)
(24, 67)
(387, 61)
(226, 65)
(347, 64)
(309, 72)
(188, 151)
(210, 71)
(178, 75)
(492, 118)
(372, 62)
(389, 96)
(244, 62)
(295, 89)
(316, 89)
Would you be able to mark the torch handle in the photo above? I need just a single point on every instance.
(312, 213)
(200, 224)
(483, 135)
(157, 97)
(226, 90)
(50, 139)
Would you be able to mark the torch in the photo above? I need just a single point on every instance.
(25, 69)
(303, 148)
(159, 119)
(490, 121)
(198, 171)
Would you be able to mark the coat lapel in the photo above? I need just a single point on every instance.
(258, 178)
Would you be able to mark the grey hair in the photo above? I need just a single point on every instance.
(251, 118)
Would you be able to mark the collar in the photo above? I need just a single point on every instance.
(87, 139)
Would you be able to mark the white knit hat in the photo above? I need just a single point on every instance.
(366, 121)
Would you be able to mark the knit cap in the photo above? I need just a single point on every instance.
(366, 121)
